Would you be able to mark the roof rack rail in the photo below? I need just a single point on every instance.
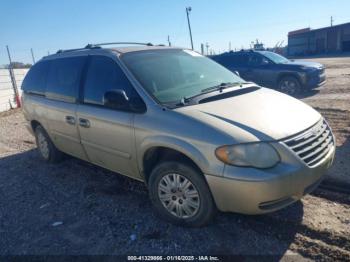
(75, 49)
(117, 43)
(92, 46)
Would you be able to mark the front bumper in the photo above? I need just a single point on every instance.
(315, 79)
(257, 191)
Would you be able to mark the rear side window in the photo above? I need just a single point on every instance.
(242, 59)
(64, 78)
(35, 80)
(103, 75)
(233, 60)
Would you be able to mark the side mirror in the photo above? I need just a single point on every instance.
(265, 62)
(116, 99)
(236, 72)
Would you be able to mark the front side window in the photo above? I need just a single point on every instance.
(35, 80)
(104, 75)
(64, 78)
(173, 74)
(276, 58)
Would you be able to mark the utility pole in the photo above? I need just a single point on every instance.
(229, 46)
(169, 43)
(13, 80)
(207, 46)
(332, 20)
(188, 10)
(202, 49)
(31, 50)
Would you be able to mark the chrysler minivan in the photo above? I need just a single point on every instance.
(200, 138)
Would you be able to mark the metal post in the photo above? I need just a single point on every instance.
(169, 43)
(13, 79)
(31, 50)
(188, 10)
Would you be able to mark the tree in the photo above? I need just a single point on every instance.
(18, 65)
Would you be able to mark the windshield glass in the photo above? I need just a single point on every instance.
(173, 74)
(278, 59)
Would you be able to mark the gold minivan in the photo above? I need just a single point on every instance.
(201, 138)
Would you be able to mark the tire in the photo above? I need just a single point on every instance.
(46, 148)
(289, 85)
(195, 212)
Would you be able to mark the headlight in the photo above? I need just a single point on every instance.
(309, 69)
(259, 155)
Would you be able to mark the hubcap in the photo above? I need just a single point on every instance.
(178, 195)
(289, 87)
(43, 145)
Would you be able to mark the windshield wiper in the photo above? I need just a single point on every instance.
(219, 87)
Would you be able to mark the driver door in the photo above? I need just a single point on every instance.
(107, 135)
(263, 70)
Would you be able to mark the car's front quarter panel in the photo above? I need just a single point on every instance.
(170, 129)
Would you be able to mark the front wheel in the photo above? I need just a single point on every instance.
(180, 194)
(289, 85)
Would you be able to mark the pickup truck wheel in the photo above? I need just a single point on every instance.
(289, 85)
(46, 148)
(180, 194)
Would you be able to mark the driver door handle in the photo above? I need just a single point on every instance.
(70, 120)
(84, 122)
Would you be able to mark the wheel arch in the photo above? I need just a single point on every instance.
(34, 124)
(287, 74)
(158, 149)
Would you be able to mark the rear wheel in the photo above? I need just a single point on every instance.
(180, 194)
(289, 85)
(46, 148)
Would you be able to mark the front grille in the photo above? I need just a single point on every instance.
(313, 145)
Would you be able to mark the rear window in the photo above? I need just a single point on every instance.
(64, 78)
(35, 80)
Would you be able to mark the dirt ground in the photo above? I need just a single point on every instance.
(332, 100)
(76, 208)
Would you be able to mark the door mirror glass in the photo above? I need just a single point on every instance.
(116, 99)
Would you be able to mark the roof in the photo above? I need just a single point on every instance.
(309, 30)
(240, 52)
(128, 49)
(299, 31)
(100, 50)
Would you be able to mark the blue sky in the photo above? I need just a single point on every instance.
(49, 25)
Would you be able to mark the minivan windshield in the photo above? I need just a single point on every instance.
(172, 75)
(278, 59)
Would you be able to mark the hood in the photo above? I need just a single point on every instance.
(261, 115)
(305, 64)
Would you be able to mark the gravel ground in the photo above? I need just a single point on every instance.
(332, 100)
(76, 208)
